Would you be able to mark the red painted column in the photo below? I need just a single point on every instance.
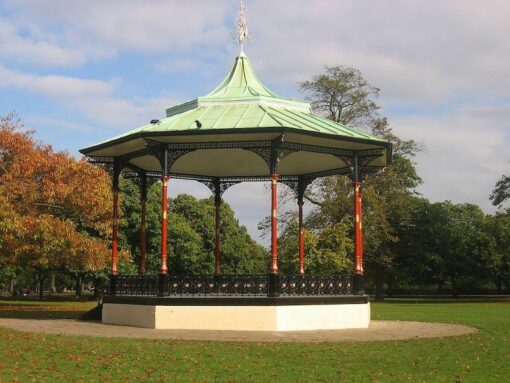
(143, 238)
(274, 225)
(358, 230)
(217, 248)
(164, 224)
(301, 239)
(115, 230)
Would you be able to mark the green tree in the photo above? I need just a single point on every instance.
(447, 243)
(498, 226)
(49, 200)
(501, 192)
(343, 95)
(191, 239)
(328, 251)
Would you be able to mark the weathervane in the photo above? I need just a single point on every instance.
(242, 27)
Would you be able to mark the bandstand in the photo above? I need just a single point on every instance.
(239, 132)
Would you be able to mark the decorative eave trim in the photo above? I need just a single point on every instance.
(275, 130)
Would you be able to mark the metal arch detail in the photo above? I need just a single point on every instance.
(218, 185)
(298, 184)
(366, 157)
(149, 178)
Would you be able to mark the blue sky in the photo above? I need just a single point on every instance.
(80, 72)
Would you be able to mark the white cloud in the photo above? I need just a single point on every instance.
(416, 52)
(466, 152)
(59, 87)
(30, 50)
(94, 99)
(106, 28)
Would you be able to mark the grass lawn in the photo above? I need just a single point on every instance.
(478, 357)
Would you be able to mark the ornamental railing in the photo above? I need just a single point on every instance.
(210, 285)
(231, 285)
(143, 285)
(291, 285)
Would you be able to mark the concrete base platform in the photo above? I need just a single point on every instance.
(251, 315)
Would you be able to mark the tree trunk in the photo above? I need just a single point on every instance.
(389, 282)
(13, 283)
(499, 285)
(42, 277)
(52, 282)
(440, 286)
(78, 286)
(454, 286)
(379, 283)
(96, 288)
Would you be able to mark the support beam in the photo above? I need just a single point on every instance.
(301, 236)
(358, 228)
(164, 212)
(164, 225)
(217, 228)
(115, 217)
(142, 269)
(274, 224)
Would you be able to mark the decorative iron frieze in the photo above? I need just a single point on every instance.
(296, 147)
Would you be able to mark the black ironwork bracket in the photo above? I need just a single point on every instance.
(298, 185)
(218, 185)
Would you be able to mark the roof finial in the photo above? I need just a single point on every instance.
(242, 27)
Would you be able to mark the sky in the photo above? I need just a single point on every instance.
(80, 72)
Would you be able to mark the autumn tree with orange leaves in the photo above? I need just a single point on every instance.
(55, 211)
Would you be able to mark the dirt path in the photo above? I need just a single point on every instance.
(378, 330)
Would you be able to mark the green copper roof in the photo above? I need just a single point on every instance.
(241, 82)
(240, 102)
(249, 116)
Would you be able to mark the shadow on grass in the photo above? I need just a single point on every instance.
(36, 314)
(48, 308)
(56, 298)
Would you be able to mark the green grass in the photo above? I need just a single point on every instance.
(478, 357)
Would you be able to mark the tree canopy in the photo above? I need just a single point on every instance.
(501, 192)
(55, 209)
(191, 237)
(343, 95)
